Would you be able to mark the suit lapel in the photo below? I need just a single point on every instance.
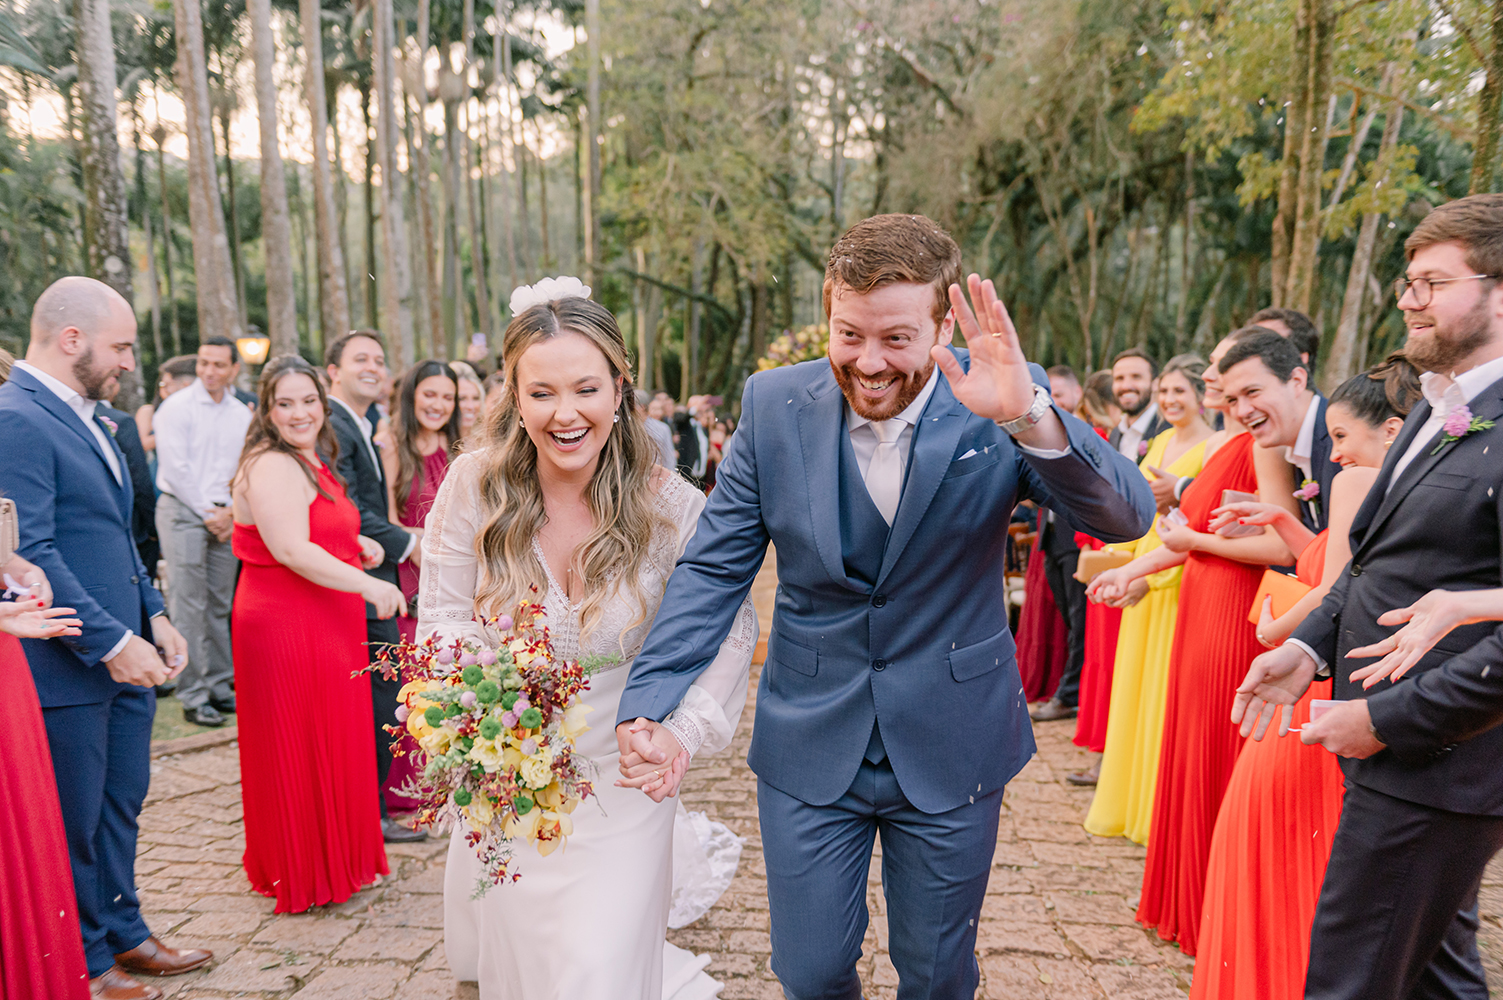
(1378, 497)
(123, 495)
(70, 419)
(1486, 405)
(935, 437)
(821, 422)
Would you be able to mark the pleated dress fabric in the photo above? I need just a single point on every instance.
(1123, 805)
(1043, 639)
(1102, 624)
(307, 750)
(1268, 856)
(41, 949)
(1212, 649)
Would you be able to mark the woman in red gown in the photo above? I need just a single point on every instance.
(1278, 818)
(1043, 640)
(41, 952)
(425, 435)
(308, 766)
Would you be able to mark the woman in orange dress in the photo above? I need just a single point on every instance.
(1213, 644)
(307, 760)
(1278, 817)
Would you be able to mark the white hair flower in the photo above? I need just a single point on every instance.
(548, 290)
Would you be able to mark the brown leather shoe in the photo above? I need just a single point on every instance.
(153, 958)
(116, 985)
(1052, 710)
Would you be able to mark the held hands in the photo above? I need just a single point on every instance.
(998, 385)
(371, 553)
(220, 522)
(1429, 620)
(1177, 537)
(1276, 680)
(385, 597)
(651, 758)
(1136, 591)
(1163, 487)
(1109, 586)
(1345, 729)
(32, 619)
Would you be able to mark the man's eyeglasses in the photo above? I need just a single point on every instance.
(1424, 288)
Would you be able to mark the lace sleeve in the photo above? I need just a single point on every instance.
(706, 719)
(446, 593)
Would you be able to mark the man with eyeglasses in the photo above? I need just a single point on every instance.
(1423, 813)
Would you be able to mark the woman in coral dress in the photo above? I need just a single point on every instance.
(1279, 815)
(41, 952)
(1123, 805)
(308, 764)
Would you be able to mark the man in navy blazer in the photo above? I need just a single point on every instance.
(890, 701)
(73, 491)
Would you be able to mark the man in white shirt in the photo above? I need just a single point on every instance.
(1134, 382)
(200, 433)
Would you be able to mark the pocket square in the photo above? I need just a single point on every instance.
(970, 454)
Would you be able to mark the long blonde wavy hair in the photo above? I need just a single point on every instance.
(620, 495)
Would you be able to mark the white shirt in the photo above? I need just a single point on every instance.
(1444, 393)
(703, 461)
(864, 438)
(367, 435)
(1304, 443)
(85, 408)
(199, 443)
(1132, 433)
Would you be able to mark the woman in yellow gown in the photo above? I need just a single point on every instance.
(1123, 805)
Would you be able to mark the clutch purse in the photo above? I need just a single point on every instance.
(1094, 562)
(10, 530)
(1285, 590)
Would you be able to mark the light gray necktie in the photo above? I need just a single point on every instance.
(884, 476)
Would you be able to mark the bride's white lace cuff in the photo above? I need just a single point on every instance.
(687, 731)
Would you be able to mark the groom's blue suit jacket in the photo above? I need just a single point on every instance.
(906, 628)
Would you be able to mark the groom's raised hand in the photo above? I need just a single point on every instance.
(651, 758)
(998, 385)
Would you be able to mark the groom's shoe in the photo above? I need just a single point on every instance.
(1052, 710)
(114, 984)
(395, 833)
(153, 958)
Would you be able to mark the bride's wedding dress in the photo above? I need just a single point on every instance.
(587, 922)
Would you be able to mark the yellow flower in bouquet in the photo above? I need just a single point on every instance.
(487, 755)
(537, 772)
(479, 812)
(574, 724)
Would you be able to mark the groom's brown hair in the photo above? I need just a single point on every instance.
(894, 249)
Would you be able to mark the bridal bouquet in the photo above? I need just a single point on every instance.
(498, 727)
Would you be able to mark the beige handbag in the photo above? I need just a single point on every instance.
(10, 530)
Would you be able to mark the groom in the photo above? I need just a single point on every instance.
(890, 701)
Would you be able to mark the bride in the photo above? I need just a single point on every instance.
(567, 500)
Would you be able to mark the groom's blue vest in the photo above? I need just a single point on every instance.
(899, 631)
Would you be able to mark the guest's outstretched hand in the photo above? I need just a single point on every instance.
(1275, 681)
(31, 619)
(1428, 619)
(998, 385)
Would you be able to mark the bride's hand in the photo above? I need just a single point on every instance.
(651, 758)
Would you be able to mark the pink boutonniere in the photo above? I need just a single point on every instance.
(1458, 425)
(1307, 491)
(109, 424)
(1142, 448)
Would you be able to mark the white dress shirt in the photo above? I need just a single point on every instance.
(1444, 393)
(864, 438)
(85, 408)
(703, 461)
(1133, 433)
(1304, 442)
(199, 443)
(367, 435)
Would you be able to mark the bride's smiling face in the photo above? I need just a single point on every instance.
(568, 401)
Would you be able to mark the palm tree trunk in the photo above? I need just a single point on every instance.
(159, 136)
(1485, 150)
(1301, 286)
(213, 274)
(592, 100)
(474, 219)
(1296, 109)
(397, 286)
(232, 217)
(333, 294)
(502, 41)
(276, 227)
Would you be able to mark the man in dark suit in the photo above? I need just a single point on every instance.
(1310, 453)
(144, 518)
(356, 365)
(73, 491)
(1423, 812)
(1135, 381)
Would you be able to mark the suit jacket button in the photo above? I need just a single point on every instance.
(135, 579)
(879, 664)
(880, 601)
(1356, 570)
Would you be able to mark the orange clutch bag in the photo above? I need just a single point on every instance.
(1094, 562)
(1285, 590)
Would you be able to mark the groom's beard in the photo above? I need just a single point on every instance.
(1444, 349)
(909, 387)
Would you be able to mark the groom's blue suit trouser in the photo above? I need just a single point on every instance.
(934, 875)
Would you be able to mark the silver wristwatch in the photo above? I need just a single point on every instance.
(1041, 404)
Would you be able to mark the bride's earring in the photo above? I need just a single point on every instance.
(521, 423)
(616, 419)
(1388, 444)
